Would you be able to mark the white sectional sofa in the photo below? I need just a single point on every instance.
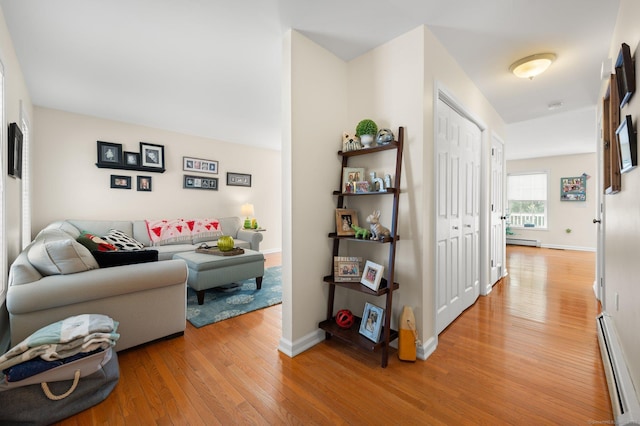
(56, 277)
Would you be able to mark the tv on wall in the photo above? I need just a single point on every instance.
(626, 75)
(627, 145)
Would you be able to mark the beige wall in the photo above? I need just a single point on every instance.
(621, 224)
(16, 93)
(575, 215)
(67, 184)
(395, 85)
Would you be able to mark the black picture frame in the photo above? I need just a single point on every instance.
(14, 164)
(131, 158)
(627, 145)
(238, 179)
(199, 165)
(152, 155)
(625, 74)
(199, 182)
(109, 153)
(120, 182)
(144, 183)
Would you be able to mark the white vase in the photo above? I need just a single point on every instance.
(366, 140)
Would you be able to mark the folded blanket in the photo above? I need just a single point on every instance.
(167, 231)
(64, 338)
(26, 369)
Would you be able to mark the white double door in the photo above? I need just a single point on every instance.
(458, 144)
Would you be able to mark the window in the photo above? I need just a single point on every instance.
(527, 199)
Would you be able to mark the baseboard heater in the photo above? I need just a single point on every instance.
(624, 400)
(523, 242)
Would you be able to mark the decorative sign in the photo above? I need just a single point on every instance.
(573, 188)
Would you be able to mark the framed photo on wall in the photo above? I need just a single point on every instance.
(14, 166)
(238, 179)
(109, 153)
(190, 164)
(144, 183)
(131, 158)
(120, 182)
(573, 188)
(152, 155)
(199, 182)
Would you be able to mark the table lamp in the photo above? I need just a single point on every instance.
(247, 210)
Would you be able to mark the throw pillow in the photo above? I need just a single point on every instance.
(122, 240)
(107, 259)
(93, 242)
(55, 252)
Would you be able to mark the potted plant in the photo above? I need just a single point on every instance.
(366, 130)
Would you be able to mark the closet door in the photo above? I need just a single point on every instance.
(457, 214)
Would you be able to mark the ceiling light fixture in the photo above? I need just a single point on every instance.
(532, 66)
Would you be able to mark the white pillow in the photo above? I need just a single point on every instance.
(122, 240)
(56, 253)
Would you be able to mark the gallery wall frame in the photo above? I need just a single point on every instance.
(120, 182)
(152, 155)
(199, 182)
(109, 153)
(190, 164)
(144, 183)
(14, 163)
(238, 179)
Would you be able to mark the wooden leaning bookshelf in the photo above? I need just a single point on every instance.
(352, 334)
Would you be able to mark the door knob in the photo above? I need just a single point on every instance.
(503, 217)
(597, 221)
(467, 226)
(455, 227)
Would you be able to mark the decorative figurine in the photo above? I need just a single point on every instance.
(378, 232)
(361, 233)
(387, 181)
(350, 142)
(376, 183)
(384, 137)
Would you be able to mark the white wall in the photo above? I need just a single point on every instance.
(575, 215)
(394, 84)
(315, 102)
(622, 224)
(67, 184)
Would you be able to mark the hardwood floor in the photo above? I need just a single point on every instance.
(526, 354)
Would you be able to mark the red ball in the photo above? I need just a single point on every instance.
(344, 318)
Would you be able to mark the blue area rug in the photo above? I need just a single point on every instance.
(221, 304)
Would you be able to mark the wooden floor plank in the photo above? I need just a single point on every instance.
(525, 354)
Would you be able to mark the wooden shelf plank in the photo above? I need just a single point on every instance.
(361, 288)
(364, 151)
(387, 191)
(352, 335)
(350, 238)
(131, 168)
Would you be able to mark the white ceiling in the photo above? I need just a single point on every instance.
(212, 68)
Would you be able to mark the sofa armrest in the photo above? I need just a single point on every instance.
(253, 237)
(62, 290)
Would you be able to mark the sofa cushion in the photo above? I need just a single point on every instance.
(54, 252)
(122, 240)
(108, 259)
(94, 243)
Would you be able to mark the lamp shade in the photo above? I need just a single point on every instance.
(246, 210)
(532, 66)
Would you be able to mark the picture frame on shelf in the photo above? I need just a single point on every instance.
(344, 219)
(238, 179)
(131, 158)
(190, 164)
(351, 175)
(144, 183)
(371, 324)
(109, 153)
(362, 187)
(199, 182)
(347, 269)
(152, 155)
(120, 182)
(14, 158)
(372, 275)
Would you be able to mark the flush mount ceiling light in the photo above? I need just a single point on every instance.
(533, 65)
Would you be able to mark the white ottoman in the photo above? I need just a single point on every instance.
(208, 270)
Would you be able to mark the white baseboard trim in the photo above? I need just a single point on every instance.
(292, 349)
(271, 251)
(427, 348)
(561, 247)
